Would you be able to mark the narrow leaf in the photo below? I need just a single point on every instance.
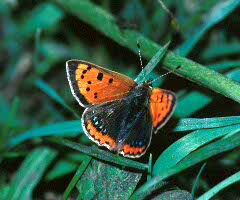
(194, 158)
(152, 64)
(194, 123)
(30, 173)
(219, 187)
(54, 95)
(59, 129)
(219, 12)
(189, 143)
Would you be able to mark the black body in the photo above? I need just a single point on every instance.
(127, 120)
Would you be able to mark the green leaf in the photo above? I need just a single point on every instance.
(105, 23)
(6, 128)
(105, 181)
(224, 65)
(219, 187)
(191, 103)
(71, 128)
(197, 180)
(100, 154)
(173, 195)
(195, 123)
(53, 94)
(61, 168)
(30, 173)
(189, 143)
(200, 155)
(76, 177)
(219, 50)
(219, 12)
(152, 64)
(234, 75)
(68, 164)
(45, 16)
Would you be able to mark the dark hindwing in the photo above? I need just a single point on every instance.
(124, 126)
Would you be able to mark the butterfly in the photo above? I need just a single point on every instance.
(119, 114)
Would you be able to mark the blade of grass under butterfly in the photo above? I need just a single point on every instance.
(195, 123)
(30, 173)
(54, 95)
(219, 12)
(76, 177)
(219, 187)
(152, 63)
(187, 144)
(100, 154)
(71, 128)
(200, 155)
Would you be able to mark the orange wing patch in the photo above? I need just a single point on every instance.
(92, 84)
(99, 138)
(128, 150)
(163, 103)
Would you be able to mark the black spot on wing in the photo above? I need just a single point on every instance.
(100, 76)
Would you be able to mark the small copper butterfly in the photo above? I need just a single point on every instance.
(120, 114)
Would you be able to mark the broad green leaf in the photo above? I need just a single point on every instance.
(189, 143)
(71, 128)
(30, 173)
(219, 187)
(173, 195)
(195, 123)
(104, 181)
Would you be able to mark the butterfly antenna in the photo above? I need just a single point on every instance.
(140, 57)
(166, 74)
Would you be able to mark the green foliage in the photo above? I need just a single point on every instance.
(37, 108)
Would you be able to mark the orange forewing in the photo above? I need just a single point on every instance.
(97, 84)
(163, 103)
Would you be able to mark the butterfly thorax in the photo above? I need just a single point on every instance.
(140, 94)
